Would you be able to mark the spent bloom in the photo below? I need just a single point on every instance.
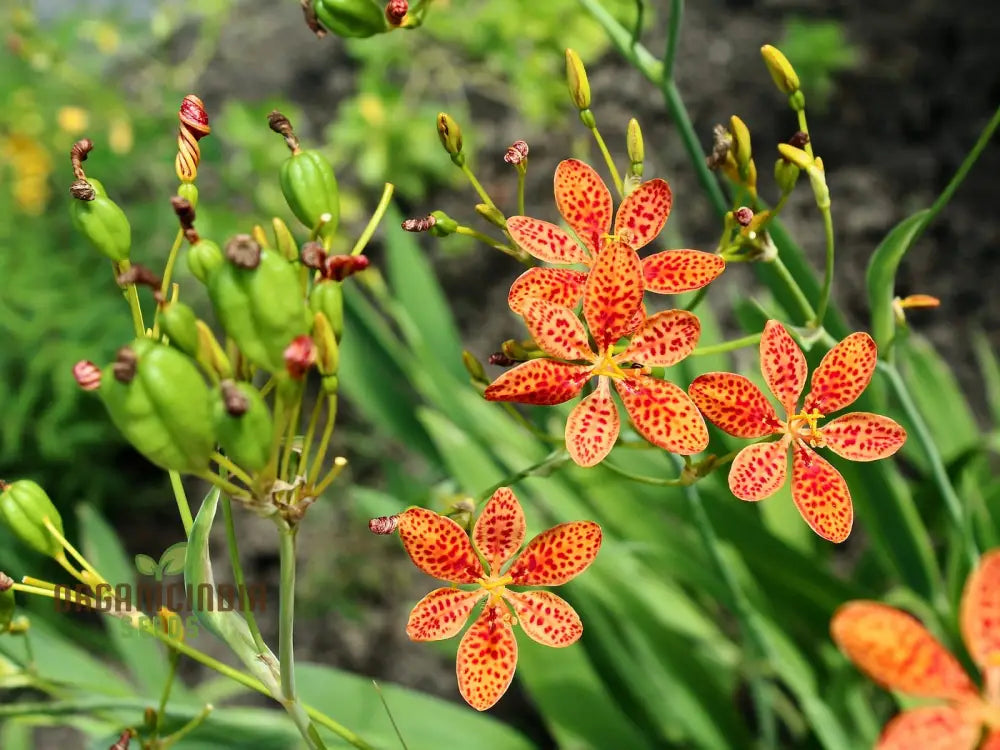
(487, 654)
(737, 406)
(612, 306)
(898, 652)
(585, 204)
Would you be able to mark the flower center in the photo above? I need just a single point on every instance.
(495, 586)
(607, 365)
(804, 426)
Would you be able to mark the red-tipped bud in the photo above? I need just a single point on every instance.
(87, 375)
(516, 153)
(395, 11)
(339, 267)
(743, 216)
(300, 355)
(383, 524)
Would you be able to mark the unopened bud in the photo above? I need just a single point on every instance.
(517, 152)
(422, 224)
(339, 267)
(743, 216)
(797, 101)
(782, 72)
(383, 524)
(260, 237)
(443, 224)
(576, 79)
(395, 11)
(741, 149)
(450, 134)
(796, 156)
(786, 175)
(299, 355)
(474, 367)
(284, 239)
(210, 353)
(492, 215)
(327, 349)
(912, 301)
(87, 375)
(500, 360)
(634, 146)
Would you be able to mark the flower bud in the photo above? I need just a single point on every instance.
(782, 72)
(450, 134)
(24, 508)
(210, 354)
(260, 236)
(741, 142)
(576, 79)
(796, 156)
(327, 348)
(243, 424)
(180, 324)
(203, 258)
(103, 223)
(797, 101)
(474, 367)
(300, 355)
(284, 240)
(327, 297)
(786, 175)
(395, 11)
(443, 224)
(634, 146)
(492, 215)
(350, 18)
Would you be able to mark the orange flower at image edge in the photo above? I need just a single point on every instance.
(734, 404)
(899, 653)
(487, 654)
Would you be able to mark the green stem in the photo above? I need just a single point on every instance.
(185, 730)
(793, 286)
(311, 433)
(467, 171)
(324, 441)
(293, 424)
(517, 254)
(543, 468)
(180, 496)
(615, 177)
(174, 658)
(131, 295)
(727, 346)
(698, 299)
(168, 272)
(238, 577)
(652, 481)
(373, 222)
(522, 171)
(923, 434)
(824, 295)
(228, 487)
(804, 127)
(673, 34)
(226, 463)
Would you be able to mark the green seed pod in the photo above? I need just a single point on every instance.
(158, 400)
(203, 258)
(443, 224)
(243, 424)
(327, 297)
(188, 192)
(101, 221)
(261, 307)
(23, 507)
(786, 175)
(450, 133)
(351, 18)
(310, 189)
(180, 324)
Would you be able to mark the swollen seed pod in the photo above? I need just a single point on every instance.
(327, 297)
(158, 400)
(24, 506)
(203, 258)
(181, 325)
(102, 222)
(310, 189)
(244, 425)
(351, 18)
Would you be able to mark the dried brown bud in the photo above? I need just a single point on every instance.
(235, 402)
(139, 274)
(282, 126)
(82, 190)
(6, 582)
(339, 267)
(516, 153)
(501, 359)
(396, 10)
(125, 365)
(383, 524)
(311, 20)
(123, 741)
(184, 210)
(722, 142)
(243, 251)
(87, 375)
(419, 225)
(78, 154)
(313, 255)
(300, 355)
(799, 139)
(743, 216)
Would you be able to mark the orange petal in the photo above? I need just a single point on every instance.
(734, 404)
(439, 546)
(584, 202)
(539, 381)
(663, 414)
(992, 741)
(821, 495)
(556, 330)
(664, 340)
(981, 612)
(897, 651)
(442, 614)
(563, 286)
(487, 657)
(783, 364)
(557, 555)
(929, 728)
(592, 427)
(845, 371)
(676, 271)
(860, 436)
(499, 530)
(643, 213)
(613, 294)
(545, 241)
(759, 470)
(546, 618)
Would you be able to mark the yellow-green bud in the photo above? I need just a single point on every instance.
(634, 146)
(327, 349)
(260, 236)
(741, 149)
(796, 156)
(450, 133)
(24, 507)
(786, 175)
(210, 354)
(797, 101)
(181, 326)
(576, 79)
(474, 367)
(782, 72)
(285, 240)
(492, 215)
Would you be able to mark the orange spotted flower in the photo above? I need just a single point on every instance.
(898, 652)
(737, 406)
(585, 204)
(612, 301)
(487, 654)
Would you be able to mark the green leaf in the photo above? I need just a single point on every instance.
(146, 565)
(172, 559)
(881, 275)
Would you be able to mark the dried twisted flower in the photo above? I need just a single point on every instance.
(81, 189)
(516, 153)
(185, 214)
(422, 224)
(124, 367)
(383, 524)
(282, 126)
(6, 582)
(194, 126)
(87, 375)
(396, 10)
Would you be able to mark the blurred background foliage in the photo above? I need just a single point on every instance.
(663, 664)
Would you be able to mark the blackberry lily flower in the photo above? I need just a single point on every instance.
(585, 204)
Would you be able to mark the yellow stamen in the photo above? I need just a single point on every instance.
(608, 366)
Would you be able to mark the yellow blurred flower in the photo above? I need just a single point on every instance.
(72, 120)
(31, 165)
(120, 136)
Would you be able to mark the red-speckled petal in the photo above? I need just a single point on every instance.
(783, 364)
(643, 213)
(487, 658)
(556, 330)
(759, 470)
(557, 555)
(860, 436)
(734, 404)
(663, 414)
(499, 531)
(930, 728)
(843, 374)
(592, 427)
(676, 271)
(664, 340)
(821, 495)
(897, 651)
(613, 294)
(442, 614)
(439, 546)
(584, 202)
(545, 241)
(562, 286)
(546, 618)
(980, 613)
(539, 381)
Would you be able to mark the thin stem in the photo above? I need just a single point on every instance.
(324, 441)
(73, 551)
(793, 286)
(824, 295)
(698, 299)
(286, 611)
(517, 254)
(545, 467)
(392, 720)
(467, 171)
(373, 222)
(338, 466)
(526, 424)
(185, 730)
(673, 34)
(29, 651)
(727, 346)
(131, 295)
(174, 658)
(228, 487)
(923, 434)
(227, 463)
(168, 272)
(616, 178)
(183, 507)
(293, 423)
(804, 127)
(238, 578)
(311, 432)
(652, 481)
(522, 172)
